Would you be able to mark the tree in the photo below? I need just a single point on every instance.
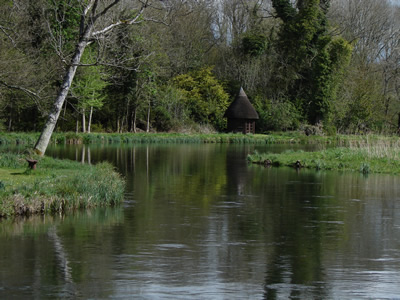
(97, 20)
(204, 96)
(22, 95)
(373, 26)
(88, 89)
(310, 57)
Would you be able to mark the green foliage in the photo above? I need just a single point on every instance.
(204, 96)
(163, 119)
(253, 44)
(314, 61)
(89, 83)
(64, 19)
(295, 58)
(284, 9)
(276, 115)
(171, 109)
(359, 108)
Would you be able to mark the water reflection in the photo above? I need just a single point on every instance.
(198, 222)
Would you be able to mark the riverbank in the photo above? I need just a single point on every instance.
(125, 138)
(56, 186)
(365, 158)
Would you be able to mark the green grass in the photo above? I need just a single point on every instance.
(29, 139)
(359, 157)
(55, 186)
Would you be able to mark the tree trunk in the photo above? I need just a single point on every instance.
(10, 118)
(77, 125)
(43, 141)
(134, 120)
(83, 120)
(90, 119)
(148, 118)
(122, 124)
(85, 35)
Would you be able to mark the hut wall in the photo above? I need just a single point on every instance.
(241, 125)
(250, 126)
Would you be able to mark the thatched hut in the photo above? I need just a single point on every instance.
(241, 114)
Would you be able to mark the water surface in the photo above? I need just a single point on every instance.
(198, 222)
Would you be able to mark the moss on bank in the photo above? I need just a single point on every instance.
(55, 186)
(368, 159)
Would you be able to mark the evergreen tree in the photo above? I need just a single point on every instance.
(312, 59)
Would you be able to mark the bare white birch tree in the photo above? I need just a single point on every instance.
(98, 19)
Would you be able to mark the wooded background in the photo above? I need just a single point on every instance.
(334, 65)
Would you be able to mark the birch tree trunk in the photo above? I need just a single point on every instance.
(87, 34)
(90, 119)
(43, 141)
(83, 120)
(148, 118)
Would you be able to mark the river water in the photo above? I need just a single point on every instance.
(198, 222)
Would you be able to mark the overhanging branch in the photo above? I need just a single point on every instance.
(110, 27)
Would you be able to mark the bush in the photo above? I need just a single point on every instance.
(163, 120)
(276, 115)
(204, 97)
(312, 129)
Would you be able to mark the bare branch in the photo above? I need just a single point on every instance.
(157, 21)
(89, 6)
(120, 22)
(20, 88)
(34, 96)
(106, 9)
(4, 30)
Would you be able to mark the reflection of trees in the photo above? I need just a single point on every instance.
(189, 172)
(283, 218)
(69, 289)
(49, 257)
(198, 209)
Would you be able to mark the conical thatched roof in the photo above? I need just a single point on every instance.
(241, 108)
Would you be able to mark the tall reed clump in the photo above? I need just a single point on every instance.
(388, 149)
(56, 186)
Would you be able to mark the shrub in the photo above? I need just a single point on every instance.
(278, 115)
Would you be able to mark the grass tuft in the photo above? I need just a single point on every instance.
(56, 186)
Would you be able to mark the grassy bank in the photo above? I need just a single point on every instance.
(376, 157)
(118, 138)
(55, 186)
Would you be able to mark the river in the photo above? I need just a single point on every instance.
(198, 222)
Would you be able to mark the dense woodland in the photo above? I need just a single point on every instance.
(175, 65)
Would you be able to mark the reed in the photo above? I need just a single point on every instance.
(56, 186)
(352, 141)
(125, 138)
